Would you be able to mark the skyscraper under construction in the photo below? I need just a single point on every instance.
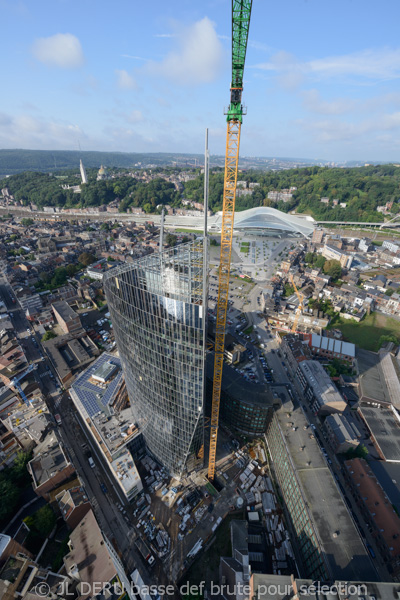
(158, 307)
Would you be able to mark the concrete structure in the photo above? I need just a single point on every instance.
(66, 317)
(288, 587)
(377, 510)
(99, 395)
(49, 469)
(365, 245)
(295, 350)
(391, 246)
(82, 169)
(322, 395)
(21, 578)
(270, 221)
(157, 307)
(234, 351)
(327, 542)
(332, 253)
(341, 435)
(70, 353)
(317, 236)
(74, 505)
(93, 560)
(235, 571)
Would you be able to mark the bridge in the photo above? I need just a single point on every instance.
(379, 224)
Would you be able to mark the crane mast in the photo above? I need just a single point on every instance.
(241, 11)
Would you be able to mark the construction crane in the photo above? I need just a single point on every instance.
(300, 307)
(241, 11)
(14, 383)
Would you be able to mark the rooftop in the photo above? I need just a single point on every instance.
(46, 465)
(126, 472)
(275, 220)
(320, 382)
(285, 587)
(377, 503)
(70, 499)
(341, 428)
(64, 310)
(372, 381)
(332, 345)
(388, 475)
(384, 425)
(89, 554)
(94, 395)
(94, 400)
(345, 554)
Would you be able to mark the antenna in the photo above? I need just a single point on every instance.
(162, 230)
(206, 173)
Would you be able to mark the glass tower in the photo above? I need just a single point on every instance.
(158, 310)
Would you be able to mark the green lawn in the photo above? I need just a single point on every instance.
(366, 334)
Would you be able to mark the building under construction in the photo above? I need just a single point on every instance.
(158, 307)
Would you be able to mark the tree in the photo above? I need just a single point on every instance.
(9, 496)
(333, 268)
(26, 222)
(309, 258)
(59, 277)
(320, 261)
(86, 258)
(171, 239)
(72, 269)
(288, 290)
(44, 520)
(44, 277)
(213, 242)
(387, 338)
(49, 335)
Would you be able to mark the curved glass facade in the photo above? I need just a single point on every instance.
(157, 310)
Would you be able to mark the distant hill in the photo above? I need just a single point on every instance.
(17, 161)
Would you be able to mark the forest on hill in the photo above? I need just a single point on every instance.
(362, 189)
(17, 161)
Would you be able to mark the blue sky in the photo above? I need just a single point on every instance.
(321, 78)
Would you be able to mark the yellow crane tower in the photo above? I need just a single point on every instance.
(301, 305)
(241, 11)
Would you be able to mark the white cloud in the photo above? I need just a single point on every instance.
(125, 81)
(371, 64)
(379, 64)
(197, 58)
(26, 131)
(135, 116)
(346, 131)
(61, 50)
(313, 102)
(133, 57)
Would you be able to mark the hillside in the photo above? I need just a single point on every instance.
(17, 161)
(361, 189)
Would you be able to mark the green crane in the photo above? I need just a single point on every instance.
(241, 11)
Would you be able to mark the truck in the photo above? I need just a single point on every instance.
(144, 551)
(58, 419)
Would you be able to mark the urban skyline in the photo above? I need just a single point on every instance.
(328, 89)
